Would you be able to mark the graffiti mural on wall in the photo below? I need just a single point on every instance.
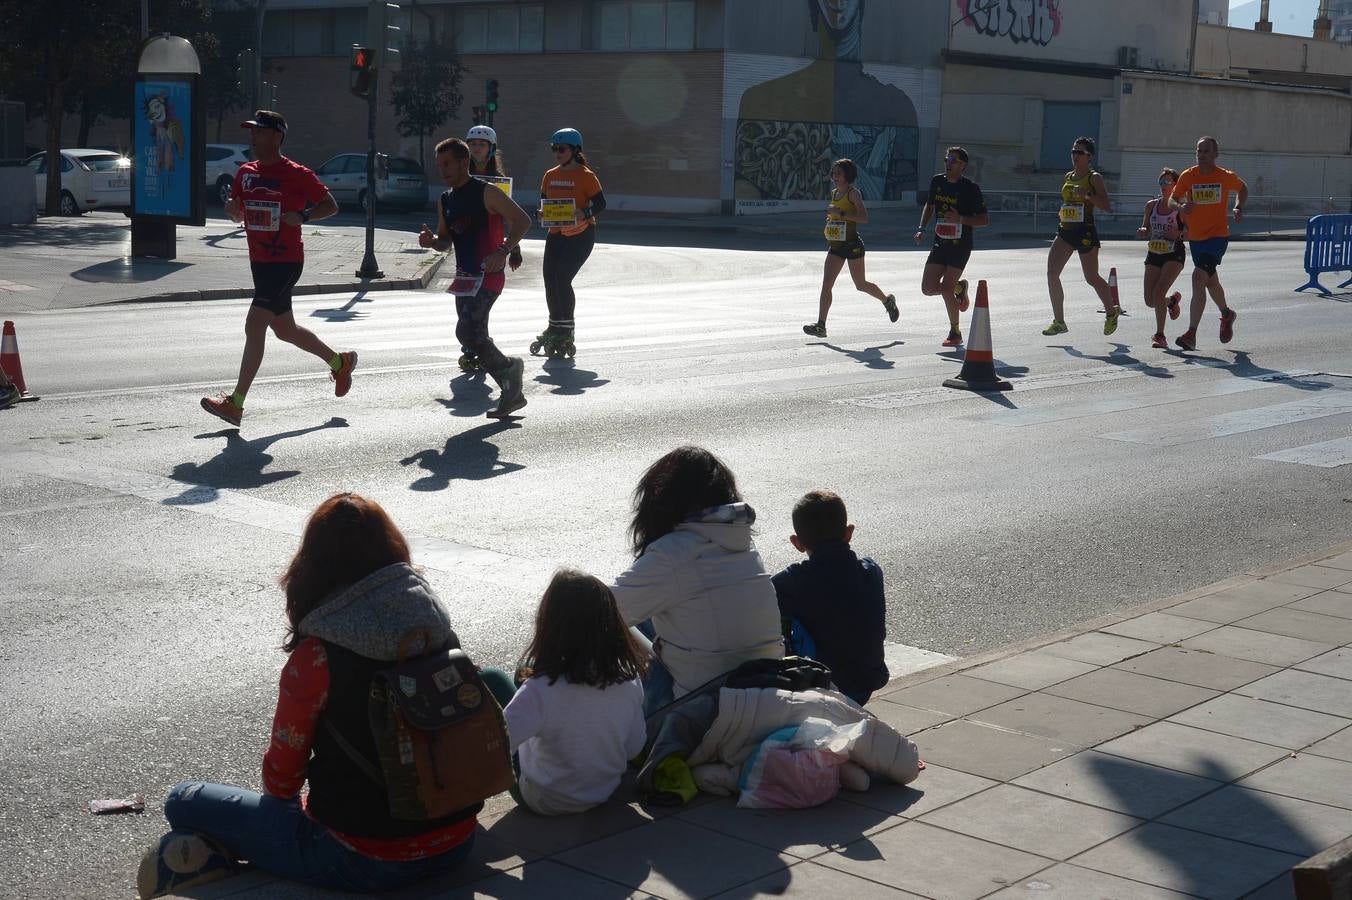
(1022, 21)
(789, 129)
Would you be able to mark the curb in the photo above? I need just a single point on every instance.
(970, 662)
(328, 287)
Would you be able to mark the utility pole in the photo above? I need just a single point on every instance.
(369, 267)
(258, 52)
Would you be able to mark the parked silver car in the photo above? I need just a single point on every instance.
(399, 181)
(90, 179)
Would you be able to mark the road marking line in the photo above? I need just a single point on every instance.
(1018, 418)
(1238, 422)
(1325, 454)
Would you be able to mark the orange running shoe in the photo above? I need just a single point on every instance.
(222, 406)
(342, 379)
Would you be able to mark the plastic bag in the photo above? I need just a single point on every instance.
(778, 776)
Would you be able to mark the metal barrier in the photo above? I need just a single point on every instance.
(1328, 248)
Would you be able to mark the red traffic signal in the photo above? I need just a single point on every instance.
(360, 73)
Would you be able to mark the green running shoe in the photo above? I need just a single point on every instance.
(1110, 320)
(1057, 327)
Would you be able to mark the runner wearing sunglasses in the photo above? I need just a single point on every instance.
(1082, 192)
(957, 207)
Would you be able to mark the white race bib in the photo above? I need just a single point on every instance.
(1072, 213)
(262, 215)
(1207, 193)
(949, 231)
(465, 285)
(836, 230)
(558, 213)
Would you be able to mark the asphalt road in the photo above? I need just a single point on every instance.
(141, 617)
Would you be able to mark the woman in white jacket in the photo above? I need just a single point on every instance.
(697, 587)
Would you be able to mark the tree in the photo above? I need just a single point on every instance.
(426, 90)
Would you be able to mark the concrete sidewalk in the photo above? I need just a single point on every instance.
(1197, 746)
(61, 263)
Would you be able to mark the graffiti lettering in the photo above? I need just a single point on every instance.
(1022, 21)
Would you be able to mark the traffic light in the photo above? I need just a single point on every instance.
(244, 73)
(491, 97)
(360, 74)
(479, 115)
(383, 34)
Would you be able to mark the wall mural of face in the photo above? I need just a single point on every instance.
(839, 14)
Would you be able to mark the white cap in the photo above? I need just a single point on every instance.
(482, 133)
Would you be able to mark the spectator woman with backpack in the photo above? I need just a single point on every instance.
(352, 601)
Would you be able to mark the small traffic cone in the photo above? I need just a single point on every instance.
(9, 358)
(978, 359)
(1112, 286)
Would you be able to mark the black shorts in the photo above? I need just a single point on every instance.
(273, 283)
(1084, 238)
(1178, 255)
(851, 249)
(951, 255)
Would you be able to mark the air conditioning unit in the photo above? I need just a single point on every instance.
(1127, 57)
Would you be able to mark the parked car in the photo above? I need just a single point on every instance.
(223, 160)
(90, 179)
(399, 181)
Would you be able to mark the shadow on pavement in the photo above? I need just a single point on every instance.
(1002, 368)
(344, 313)
(471, 395)
(76, 232)
(1244, 367)
(128, 270)
(564, 377)
(467, 456)
(872, 357)
(240, 464)
(1118, 356)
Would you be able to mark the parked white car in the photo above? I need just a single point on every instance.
(90, 179)
(399, 181)
(223, 160)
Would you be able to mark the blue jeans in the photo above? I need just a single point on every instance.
(659, 688)
(277, 836)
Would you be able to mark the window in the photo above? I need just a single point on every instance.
(214, 154)
(645, 25)
(349, 27)
(277, 37)
(499, 29)
(310, 33)
(502, 25)
(354, 164)
(531, 34)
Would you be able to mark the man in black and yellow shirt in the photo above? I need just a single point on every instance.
(956, 205)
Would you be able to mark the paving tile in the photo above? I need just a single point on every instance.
(1300, 624)
(1208, 670)
(1268, 820)
(988, 751)
(956, 695)
(1257, 646)
(1159, 627)
(1033, 822)
(933, 862)
(1308, 690)
(1132, 693)
(1066, 882)
(541, 879)
(1337, 663)
(1258, 720)
(1224, 607)
(1099, 648)
(547, 835)
(1314, 576)
(1192, 750)
(804, 833)
(1188, 861)
(1307, 777)
(1279, 888)
(1330, 603)
(1341, 561)
(1061, 719)
(906, 719)
(1338, 746)
(674, 859)
(810, 881)
(1125, 785)
(1033, 670)
(935, 787)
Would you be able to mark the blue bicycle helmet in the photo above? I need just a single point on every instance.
(569, 136)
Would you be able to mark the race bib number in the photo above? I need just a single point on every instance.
(1206, 193)
(1072, 213)
(558, 213)
(949, 231)
(262, 215)
(1160, 246)
(502, 182)
(835, 230)
(465, 284)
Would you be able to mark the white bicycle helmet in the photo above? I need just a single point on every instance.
(482, 133)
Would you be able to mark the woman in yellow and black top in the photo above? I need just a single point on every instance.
(1082, 192)
(844, 215)
(567, 247)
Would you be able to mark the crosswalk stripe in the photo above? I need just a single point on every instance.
(1325, 454)
(1333, 404)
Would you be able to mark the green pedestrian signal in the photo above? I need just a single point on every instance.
(491, 96)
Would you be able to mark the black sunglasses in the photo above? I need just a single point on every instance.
(1078, 152)
(559, 148)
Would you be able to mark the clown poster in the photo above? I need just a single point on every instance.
(162, 126)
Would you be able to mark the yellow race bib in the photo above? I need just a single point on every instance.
(1206, 193)
(836, 230)
(558, 213)
(1072, 214)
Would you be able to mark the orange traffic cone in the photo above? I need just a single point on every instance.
(978, 360)
(9, 357)
(1112, 286)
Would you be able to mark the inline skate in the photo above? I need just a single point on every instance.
(554, 345)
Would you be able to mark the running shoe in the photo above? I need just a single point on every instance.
(964, 301)
(512, 398)
(1174, 300)
(181, 860)
(1187, 340)
(816, 329)
(222, 406)
(890, 304)
(954, 339)
(9, 396)
(1110, 320)
(1057, 327)
(1228, 325)
(342, 379)
(1159, 341)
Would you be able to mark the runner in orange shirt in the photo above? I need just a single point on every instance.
(1201, 193)
(568, 245)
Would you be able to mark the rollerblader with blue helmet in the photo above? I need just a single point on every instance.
(570, 198)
